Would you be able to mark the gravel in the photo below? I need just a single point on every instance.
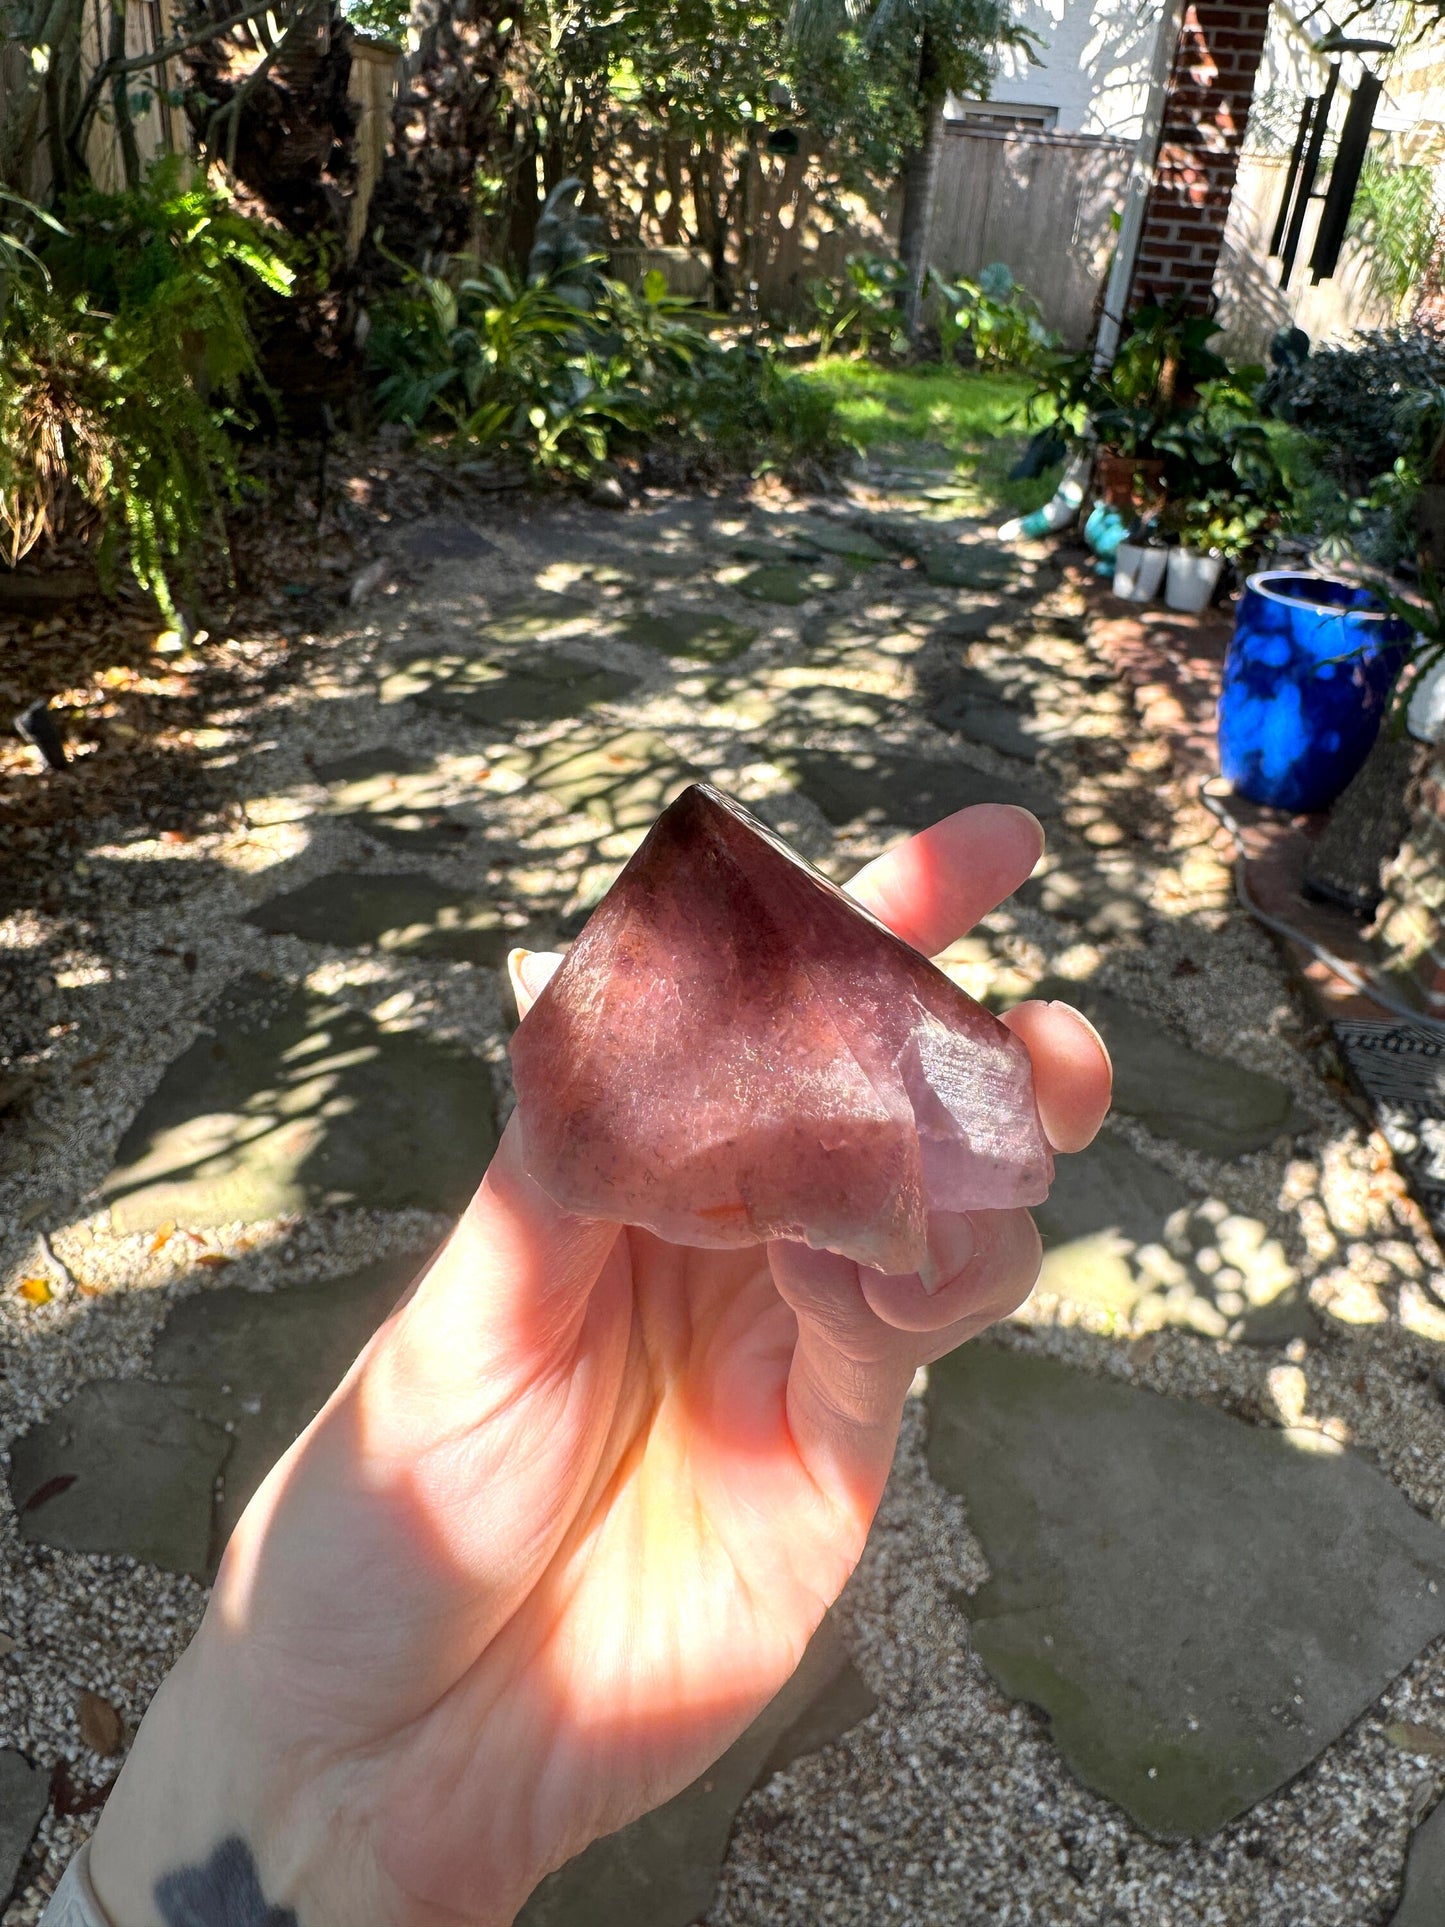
(949, 1804)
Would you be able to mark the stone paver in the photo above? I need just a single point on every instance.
(975, 566)
(445, 538)
(162, 1468)
(1127, 1238)
(974, 705)
(401, 801)
(1423, 1902)
(789, 583)
(506, 696)
(24, 1796)
(264, 1363)
(125, 1466)
(698, 635)
(620, 777)
(661, 1870)
(871, 785)
(1199, 1605)
(1098, 891)
(287, 1101)
(1208, 1103)
(408, 914)
(528, 618)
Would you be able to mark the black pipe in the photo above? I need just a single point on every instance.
(1292, 176)
(1345, 177)
(1307, 176)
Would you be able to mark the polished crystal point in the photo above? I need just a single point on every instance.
(733, 1051)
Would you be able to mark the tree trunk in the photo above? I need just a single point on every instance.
(920, 185)
(445, 126)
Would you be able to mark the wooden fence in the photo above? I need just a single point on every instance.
(1042, 204)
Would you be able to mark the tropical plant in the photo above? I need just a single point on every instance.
(863, 308)
(527, 372)
(1422, 608)
(748, 413)
(122, 357)
(995, 320)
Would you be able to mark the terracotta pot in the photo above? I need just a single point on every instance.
(1128, 481)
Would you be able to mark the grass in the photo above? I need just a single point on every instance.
(970, 425)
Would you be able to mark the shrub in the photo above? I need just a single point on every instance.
(865, 307)
(992, 322)
(759, 416)
(523, 369)
(1360, 399)
(123, 346)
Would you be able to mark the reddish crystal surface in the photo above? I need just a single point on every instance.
(734, 1051)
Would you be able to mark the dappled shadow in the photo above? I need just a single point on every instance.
(875, 786)
(503, 696)
(1130, 1245)
(289, 1102)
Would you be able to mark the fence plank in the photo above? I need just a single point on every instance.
(1041, 203)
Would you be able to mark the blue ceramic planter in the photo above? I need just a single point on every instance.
(1306, 682)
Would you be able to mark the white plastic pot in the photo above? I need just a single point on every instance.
(1138, 572)
(1192, 580)
(1425, 718)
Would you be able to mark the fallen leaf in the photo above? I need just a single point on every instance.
(67, 1798)
(213, 1259)
(101, 1727)
(51, 1489)
(7, 1645)
(1413, 1737)
(163, 1236)
(36, 1291)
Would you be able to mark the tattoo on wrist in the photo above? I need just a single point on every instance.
(224, 1892)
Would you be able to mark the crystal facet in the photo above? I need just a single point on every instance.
(733, 1051)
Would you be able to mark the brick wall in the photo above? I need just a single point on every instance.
(1205, 112)
(1411, 919)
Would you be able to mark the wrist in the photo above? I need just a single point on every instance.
(203, 1825)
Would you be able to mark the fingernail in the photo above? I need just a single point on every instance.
(1033, 822)
(530, 971)
(1059, 1004)
(951, 1244)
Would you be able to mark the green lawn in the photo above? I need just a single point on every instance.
(971, 426)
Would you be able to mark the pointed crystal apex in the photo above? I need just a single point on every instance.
(734, 1050)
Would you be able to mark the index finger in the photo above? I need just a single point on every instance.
(934, 888)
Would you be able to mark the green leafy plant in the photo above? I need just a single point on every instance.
(1398, 221)
(1356, 399)
(864, 308)
(523, 370)
(1422, 607)
(991, 322)
(748, 412)
(122, 359)
(1163, 362)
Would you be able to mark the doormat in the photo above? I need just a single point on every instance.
(1400, 1069)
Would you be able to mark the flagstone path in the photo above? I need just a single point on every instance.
(1152, 1624)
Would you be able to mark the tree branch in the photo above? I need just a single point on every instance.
(109, 70)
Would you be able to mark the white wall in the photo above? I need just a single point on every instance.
(1093, 63)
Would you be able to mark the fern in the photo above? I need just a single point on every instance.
(122, 359)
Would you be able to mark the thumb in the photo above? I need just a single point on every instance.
(504, 1301)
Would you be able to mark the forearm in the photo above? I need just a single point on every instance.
(201, 1828)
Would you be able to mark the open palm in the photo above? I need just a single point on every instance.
(567, 1524)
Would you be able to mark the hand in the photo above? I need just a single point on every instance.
(566, 1525)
